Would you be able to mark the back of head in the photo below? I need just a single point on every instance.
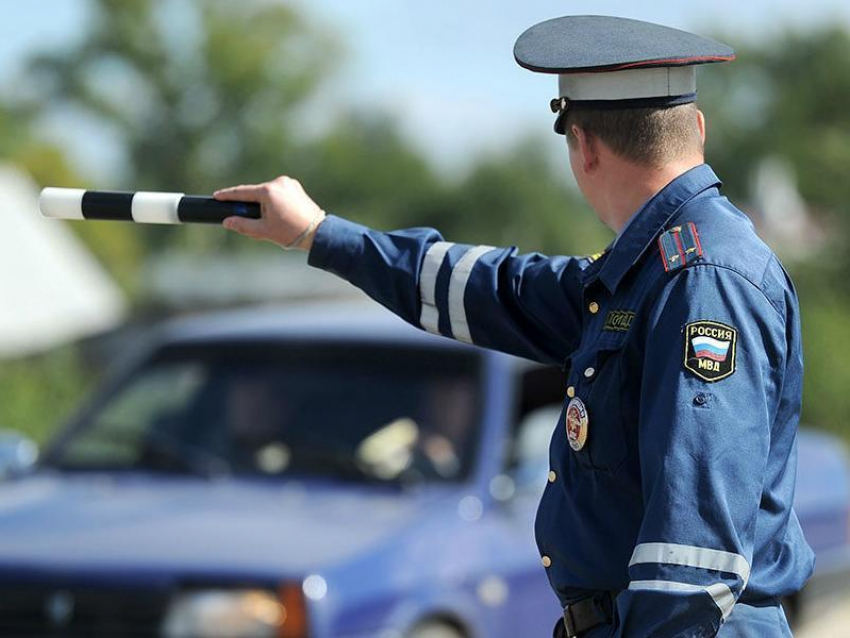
(650, 136)
(631, 84)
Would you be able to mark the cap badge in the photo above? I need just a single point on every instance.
(576, 423)
(559, 104)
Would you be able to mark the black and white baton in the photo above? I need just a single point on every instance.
(142, 206)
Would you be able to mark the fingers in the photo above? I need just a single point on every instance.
(243, 193)
(286, 210)
(249, 227)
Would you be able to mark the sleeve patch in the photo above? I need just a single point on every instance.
(710, 349)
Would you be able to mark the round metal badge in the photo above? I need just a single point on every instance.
(577, 423)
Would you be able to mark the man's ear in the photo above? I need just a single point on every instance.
(701, 125)
(586, 147)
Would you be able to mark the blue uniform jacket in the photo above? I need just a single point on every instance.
(684, 356)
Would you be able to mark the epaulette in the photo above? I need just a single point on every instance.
(680, 246)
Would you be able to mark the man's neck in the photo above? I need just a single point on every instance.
(630, 186)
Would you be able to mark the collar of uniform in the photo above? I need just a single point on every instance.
(648, 223)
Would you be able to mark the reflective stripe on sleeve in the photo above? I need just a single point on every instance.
(720, 593)
(429, 317)
(690, 556)
(457, 290)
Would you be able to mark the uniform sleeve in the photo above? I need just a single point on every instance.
(528, 305)
(714, 357)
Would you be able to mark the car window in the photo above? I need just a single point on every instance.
(119, 430)
(538, 414)
(355, 411)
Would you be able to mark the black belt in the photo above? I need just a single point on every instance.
(585, 614)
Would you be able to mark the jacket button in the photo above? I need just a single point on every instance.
(571, 391)
(593, 307)
(547, 562)
(552, 476)
(589, 372)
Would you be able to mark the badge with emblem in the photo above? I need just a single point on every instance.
(576, 424)
(710, 349)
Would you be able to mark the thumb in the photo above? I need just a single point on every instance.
(244, 226)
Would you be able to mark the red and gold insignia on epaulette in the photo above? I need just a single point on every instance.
(679, 246)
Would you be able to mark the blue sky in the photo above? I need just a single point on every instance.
(446, 69)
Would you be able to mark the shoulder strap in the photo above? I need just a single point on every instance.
(679, 246)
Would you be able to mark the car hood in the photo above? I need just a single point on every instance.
(224, 527)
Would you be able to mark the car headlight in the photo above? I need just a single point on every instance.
(237, 613)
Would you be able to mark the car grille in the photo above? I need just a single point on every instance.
(27, 611)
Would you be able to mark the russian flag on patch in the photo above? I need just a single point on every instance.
(708, 348)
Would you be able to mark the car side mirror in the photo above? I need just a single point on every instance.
(18, 453)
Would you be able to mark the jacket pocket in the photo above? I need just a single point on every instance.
(603, 394)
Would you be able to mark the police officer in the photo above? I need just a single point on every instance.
(668, 510)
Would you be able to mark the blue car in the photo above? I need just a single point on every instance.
(329, 471)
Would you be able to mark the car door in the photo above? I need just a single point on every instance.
(534, 606)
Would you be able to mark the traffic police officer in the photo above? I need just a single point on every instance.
(668, 508)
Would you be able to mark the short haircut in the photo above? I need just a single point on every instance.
(645, 136)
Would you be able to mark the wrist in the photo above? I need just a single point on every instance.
(304, 241)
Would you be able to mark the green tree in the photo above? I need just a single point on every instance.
(36, 392)
(365, 169)
(222, 102)
(786, 97)
(516, 197)
(20, 145)
(195, 101)
(520, 198)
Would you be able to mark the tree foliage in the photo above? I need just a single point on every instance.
(193, 108)
(226, 103)
(786, 97)
(195, 100)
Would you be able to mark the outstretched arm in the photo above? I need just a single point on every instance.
(528, 305)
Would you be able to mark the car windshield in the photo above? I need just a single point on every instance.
(349, 411)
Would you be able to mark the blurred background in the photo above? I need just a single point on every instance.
(391, 114)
